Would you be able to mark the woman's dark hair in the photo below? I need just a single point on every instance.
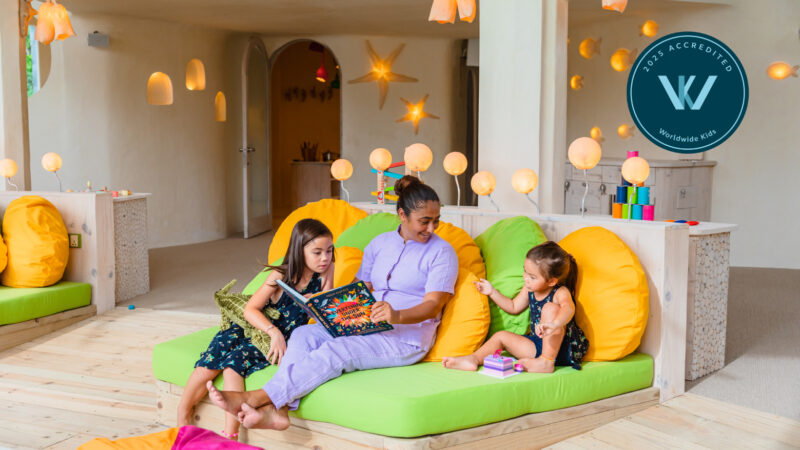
(554, 262)
(412, 194)
(294, 262)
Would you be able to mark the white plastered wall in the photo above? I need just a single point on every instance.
(93, 111)
(755, 180)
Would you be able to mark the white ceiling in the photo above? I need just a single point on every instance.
(363, 17)
(293, 17)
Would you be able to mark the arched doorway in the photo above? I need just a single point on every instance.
(305, 124)
(257, 193)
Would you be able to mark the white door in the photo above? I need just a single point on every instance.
(255, 143)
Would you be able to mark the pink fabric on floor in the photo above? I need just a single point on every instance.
(194, 438)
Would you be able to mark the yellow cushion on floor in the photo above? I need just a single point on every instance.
(337, 215)
(38, 246)
(468, 252)
(161, 440)
(613, 297)
(465, 320)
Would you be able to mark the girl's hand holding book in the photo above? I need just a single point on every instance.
(383, 311)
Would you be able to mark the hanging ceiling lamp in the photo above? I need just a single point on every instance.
(615, 5)
(780, 70)
(444, 11)
(61, 24)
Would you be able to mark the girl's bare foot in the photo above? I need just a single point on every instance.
(266, 417)
(537, 365)
(231, 401)
(461, 362)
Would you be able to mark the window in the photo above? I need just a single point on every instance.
(32, 61)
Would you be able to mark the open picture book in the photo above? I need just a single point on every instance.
(343, 311)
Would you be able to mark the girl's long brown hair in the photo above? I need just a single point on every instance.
(555, 262)
(294, 261)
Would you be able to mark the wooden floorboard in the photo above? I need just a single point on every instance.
(94, 379)
(691, 421)
(91, 379)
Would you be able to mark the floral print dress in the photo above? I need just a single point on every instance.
(573, 346)
(231, 349)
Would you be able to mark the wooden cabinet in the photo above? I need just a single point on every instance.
(678, 189)
(312, 181)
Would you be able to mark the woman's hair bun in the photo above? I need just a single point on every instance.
(403, 183)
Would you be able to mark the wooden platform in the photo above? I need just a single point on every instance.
(94, 379)
(532, 430)
(18, 333)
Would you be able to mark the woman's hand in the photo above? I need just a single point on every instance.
(277, 347)
(383, 311)
(484, 287)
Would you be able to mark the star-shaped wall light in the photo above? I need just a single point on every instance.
(382, 72)
(416, 112)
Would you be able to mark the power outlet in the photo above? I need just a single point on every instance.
(74, 240)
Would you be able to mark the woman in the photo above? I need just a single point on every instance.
(411, 272)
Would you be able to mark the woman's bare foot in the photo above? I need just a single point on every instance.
(231, 401)
(267, 417)
(461, 362)
(537, 365)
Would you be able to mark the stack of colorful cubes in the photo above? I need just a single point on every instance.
(632, 202)
(498, 366)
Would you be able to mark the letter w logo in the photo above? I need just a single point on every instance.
(680, 99)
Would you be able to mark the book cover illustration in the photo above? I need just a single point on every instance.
(343, 311)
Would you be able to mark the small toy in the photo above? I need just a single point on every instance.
(518, 368)
(115, 194)
(131, 307)
(124, 192)
(692, 223)
(498, 366)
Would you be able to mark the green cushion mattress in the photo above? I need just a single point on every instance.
(426, 398)
(21, 304)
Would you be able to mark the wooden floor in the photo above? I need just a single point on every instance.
(95, 379)
(88, 380)
(692, 422)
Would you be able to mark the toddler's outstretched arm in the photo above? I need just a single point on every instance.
(511, 306)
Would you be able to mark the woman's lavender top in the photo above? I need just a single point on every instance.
(402, 273)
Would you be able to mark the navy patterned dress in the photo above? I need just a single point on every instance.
(230, 348)
(573, 346)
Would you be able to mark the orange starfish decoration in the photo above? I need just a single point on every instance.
(382, 72)
(415, 113)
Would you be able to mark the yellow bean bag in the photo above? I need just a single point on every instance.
(338, 215)
(348, 260)
(465, 320)
(469, 254)
(3, 254)
(38, 246)
(613, 297)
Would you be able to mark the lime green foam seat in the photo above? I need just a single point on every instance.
(21, 304)
(426, 398)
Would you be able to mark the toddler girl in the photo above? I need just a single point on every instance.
(555, 339)
(308, 266)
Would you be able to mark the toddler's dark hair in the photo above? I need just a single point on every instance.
(412, 194)
(555, 262)
(294, 262)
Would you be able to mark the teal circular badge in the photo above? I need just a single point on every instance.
(687, 92)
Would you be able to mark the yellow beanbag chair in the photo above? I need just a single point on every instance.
(613, 297)
(465, 320)
(337, 215)
(3, 254)
(469, 254)
(154, 441)
(348, 260)
(38, 246)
